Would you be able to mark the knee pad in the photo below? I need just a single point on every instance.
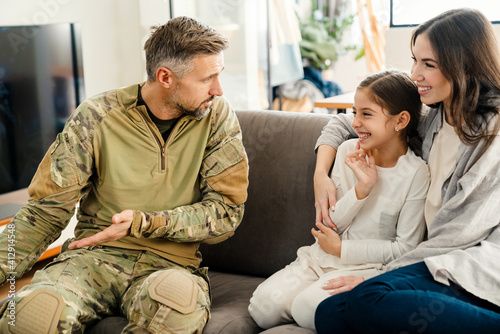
(179, 311)
(176, 290)
(37, 313)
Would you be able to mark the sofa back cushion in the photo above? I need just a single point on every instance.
(279, 212)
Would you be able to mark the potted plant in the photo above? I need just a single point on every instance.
(322, 35)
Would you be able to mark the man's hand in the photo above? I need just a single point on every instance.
(328, 239)
(119, 229)
(342, 284)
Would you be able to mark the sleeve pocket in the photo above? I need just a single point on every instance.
(63, 170)
(227, 155)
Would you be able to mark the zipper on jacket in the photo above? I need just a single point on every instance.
(163, 157)
(158, 141)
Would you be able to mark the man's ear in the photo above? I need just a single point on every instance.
(403, 119)
(164, 77)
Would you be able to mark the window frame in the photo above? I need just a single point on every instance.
(402, 25)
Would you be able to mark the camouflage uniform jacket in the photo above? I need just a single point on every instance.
(112, 157)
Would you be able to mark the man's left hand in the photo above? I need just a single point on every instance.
(119, 229)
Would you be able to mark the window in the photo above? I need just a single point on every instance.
(410, 13)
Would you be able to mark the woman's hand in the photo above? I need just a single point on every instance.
(325, 195)
(365, 172)
(119, 229)
(328, 240)
(342, 284)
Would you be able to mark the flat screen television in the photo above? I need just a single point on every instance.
(41, 83)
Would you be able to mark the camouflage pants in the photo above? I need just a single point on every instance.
(155, 295)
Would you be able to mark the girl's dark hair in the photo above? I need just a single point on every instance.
(395, 91)
(467, 53)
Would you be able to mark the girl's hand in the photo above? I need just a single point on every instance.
(328, 240)
(342, 284)
(325, 195)
(365, 172)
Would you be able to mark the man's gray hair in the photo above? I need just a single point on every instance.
(177, 43)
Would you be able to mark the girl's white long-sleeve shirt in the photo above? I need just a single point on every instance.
(388, 222)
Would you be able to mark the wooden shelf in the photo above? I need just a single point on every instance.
(343, 101)
(5, 221)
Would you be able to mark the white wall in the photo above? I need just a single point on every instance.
(113, 33)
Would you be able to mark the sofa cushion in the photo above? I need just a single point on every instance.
(287, 329)
(279, 212)
(229, 310)
(109, 325)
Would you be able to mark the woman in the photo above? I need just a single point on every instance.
(450, 282)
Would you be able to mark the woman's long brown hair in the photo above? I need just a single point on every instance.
(468, 56)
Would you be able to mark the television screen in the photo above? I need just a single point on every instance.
(41, 83)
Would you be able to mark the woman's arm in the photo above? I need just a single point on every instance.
(337, 131)
(324, 189)
(334, 133)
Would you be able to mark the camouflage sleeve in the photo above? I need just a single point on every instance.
(53, 194)
(224, 190)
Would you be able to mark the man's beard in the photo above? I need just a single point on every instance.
(199, 112)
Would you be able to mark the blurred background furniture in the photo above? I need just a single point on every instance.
(339, 102)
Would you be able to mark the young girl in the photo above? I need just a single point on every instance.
(382, 187)
(451, 282)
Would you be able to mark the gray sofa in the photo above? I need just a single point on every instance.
(278, 219)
